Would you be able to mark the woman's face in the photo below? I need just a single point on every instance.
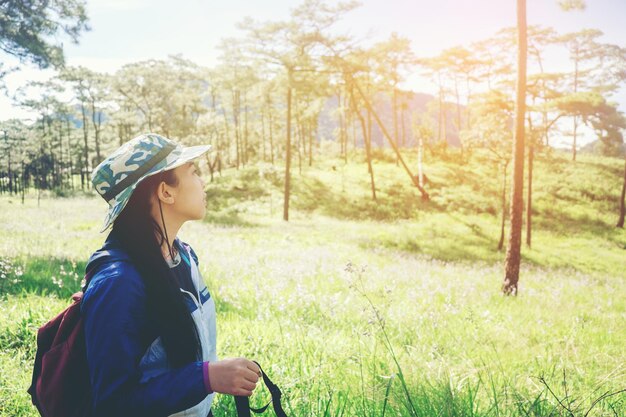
(189, 196)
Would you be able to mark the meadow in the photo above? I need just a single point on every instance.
(363, 308)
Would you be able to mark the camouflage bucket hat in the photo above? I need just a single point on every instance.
(118, 175)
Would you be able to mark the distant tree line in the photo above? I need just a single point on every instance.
(264, 100)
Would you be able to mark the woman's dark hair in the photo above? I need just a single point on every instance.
(141, 236)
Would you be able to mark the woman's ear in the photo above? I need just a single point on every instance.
(165, 193)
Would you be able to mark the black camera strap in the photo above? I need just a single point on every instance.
(243, 404)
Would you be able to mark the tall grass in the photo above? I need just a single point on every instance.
(352, 317)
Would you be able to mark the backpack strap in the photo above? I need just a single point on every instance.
(103, 256)
(243, 405)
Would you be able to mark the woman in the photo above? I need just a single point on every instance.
(149, 318)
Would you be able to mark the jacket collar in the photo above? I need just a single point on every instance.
(112, 251)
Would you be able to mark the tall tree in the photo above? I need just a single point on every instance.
(584, 52)
(538, 89)
(291, 48)
(165, 94)
(462, 66)
(46, 105)
(395, 58)
(91, 91)
(622, 201)
(238, 77)
(513, 253)
(435, 68)
(492, 112)
(16, 137)
(421, 124)
(79, 79)
(361, 68)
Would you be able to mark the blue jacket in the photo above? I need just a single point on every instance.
(127, 363)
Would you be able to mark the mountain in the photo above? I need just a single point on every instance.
(416, 103)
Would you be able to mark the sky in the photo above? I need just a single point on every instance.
(125, 31)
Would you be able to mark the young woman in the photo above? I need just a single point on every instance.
(149, 319)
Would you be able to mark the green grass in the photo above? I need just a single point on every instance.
(294, 296)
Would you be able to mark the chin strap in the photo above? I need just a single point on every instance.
(167, 240)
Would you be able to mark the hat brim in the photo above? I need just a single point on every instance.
(177, 158)
(188, 154)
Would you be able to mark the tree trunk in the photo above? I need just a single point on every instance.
(96, 129)
(395, 119)
(467, 104)
(458, 108)
(85, 169)
(9, 170)
(546, 136)
(402, 111)
(23, 182)
(505, 165)
(263, 135)
(61, 154)
(210, 165)
(120, 134)
(298, 134)
(420, 157)
(345, 129)
(367, 143)
(235, 95)
(341, 124)
(310, 135)
(622, 203)
(271, 122)
(444, 125)
(353, 120)
(245, 129)
(69, 153)
(440, 114)
(287, 156)
(529, 203)
(575, 91)
(369, 126)
(227, 133)
(574, 139)
(513, 253)
(391, 142)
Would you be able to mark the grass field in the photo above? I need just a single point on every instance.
(357, 308)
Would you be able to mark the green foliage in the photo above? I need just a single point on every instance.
(569, 5)
(26, 28)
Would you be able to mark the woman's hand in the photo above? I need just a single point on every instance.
(237, 376)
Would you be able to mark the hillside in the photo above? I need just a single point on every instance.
(575, 206)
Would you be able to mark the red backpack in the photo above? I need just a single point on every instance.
(60, 385)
